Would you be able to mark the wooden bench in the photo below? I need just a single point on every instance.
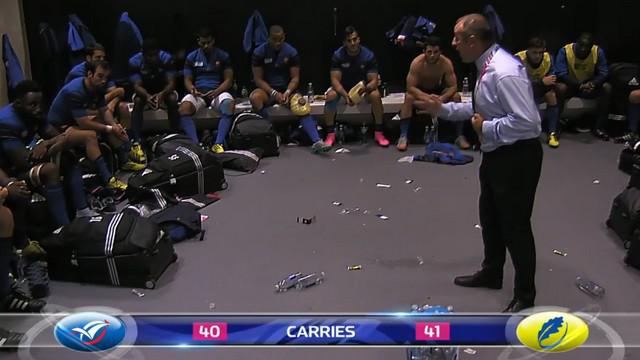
(157, 120)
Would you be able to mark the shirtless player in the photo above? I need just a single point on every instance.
(430, 73)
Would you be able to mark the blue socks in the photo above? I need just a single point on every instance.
(404, 126)
(553, 114)
(76, 186)
(123, 152)
(263, 112)
(633, 118)
(223, 128)
(309, 126)
(5, 266)
(189, 128)
(136, 125)
(56, 203)
(103, 170)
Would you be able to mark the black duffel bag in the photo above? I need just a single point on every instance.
(169, 143)
(183, 172)
(629, 161)
(633, 255)
(250, 130)
(120, 249)
(624, 218)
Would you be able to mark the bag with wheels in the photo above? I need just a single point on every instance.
(183, 172)
(250, 130)
(624, 78)
(180, 222)
(169, 143)
(240, 160)
(121, 249)
(633, 255)
(624, 218)
(629, 161)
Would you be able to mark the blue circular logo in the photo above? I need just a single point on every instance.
(90, 331)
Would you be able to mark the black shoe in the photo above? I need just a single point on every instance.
(479, 279)
(9, 340)
(601, 134)
(37, 275)
(18, 302)
(35, 269)
(517, 305)
(626, 138)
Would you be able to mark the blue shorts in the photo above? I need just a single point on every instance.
(539, 90)
(7, 146)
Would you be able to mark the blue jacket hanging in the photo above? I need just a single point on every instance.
(255, 33)
(11, 63)
(412, 29)
(494, 20)
(49, 62)
(129, 40)
(124, 18)
(79, 37)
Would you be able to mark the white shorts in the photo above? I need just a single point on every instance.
(200, 103)
(341, 100)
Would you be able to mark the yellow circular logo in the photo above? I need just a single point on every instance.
(552, 331)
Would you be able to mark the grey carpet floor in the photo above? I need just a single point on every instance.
(253, 240)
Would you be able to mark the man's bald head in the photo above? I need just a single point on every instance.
(478, 26)
(472, 35)
(276, 30)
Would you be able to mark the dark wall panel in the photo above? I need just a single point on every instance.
(310, 25)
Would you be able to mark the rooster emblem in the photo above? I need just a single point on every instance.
(90, 330)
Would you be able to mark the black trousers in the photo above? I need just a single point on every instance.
(508, 180)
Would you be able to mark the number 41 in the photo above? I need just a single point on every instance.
(432, 331)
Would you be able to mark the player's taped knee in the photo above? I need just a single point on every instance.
(34, 175)
(227, 107)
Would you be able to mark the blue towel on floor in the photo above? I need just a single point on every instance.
(445, 154)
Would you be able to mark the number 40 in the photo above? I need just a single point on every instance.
(212, 331)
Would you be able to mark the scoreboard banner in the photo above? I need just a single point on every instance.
(547, 331)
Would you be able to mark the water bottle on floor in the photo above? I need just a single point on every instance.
(589, 287)
(340, 137)
(310, 95)
(363, 133)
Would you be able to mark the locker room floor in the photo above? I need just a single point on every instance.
(253, 240)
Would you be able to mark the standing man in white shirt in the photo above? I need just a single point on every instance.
(505, 116)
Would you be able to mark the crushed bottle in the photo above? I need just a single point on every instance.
(589, 287)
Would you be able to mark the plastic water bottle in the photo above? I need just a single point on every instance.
(310, 94)
(363, 133)
(244, 93)
(384, 90)
(465, 86)
(234, 88)
(340, 136)
(589, 287)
